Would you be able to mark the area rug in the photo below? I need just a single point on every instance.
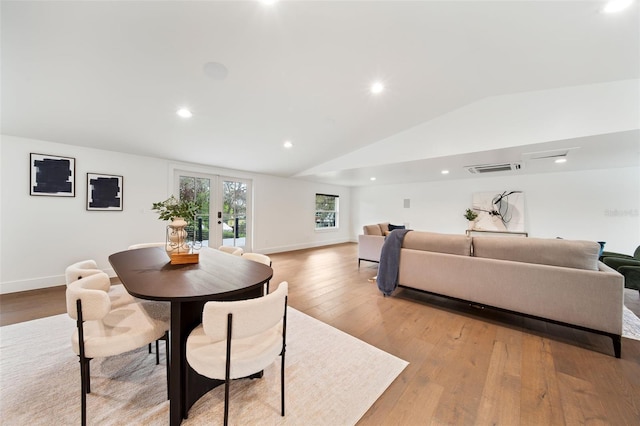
(332, 378)
(630, 325)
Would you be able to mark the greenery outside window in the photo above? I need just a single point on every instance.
(326, 211)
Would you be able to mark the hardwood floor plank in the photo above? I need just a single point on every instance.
(500, 402)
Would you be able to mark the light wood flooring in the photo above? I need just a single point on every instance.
(468, 366)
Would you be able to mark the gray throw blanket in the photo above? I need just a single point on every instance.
(390, 261)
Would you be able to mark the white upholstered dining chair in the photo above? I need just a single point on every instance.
(104, 331)
(117, 293)
(236, 251)
(147, 245)
(260, 258)
(240, 338)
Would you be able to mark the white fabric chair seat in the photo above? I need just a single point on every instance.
(121, 330)
(251, 354)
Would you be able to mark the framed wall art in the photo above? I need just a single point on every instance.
(104, 192)
(52, 175)
(499, 211)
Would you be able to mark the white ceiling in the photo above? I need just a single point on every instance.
(111, 75)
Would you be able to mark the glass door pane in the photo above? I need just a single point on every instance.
(198, 189)
(225, 208)
(234, 213)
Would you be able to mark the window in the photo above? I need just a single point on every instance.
(326, 211)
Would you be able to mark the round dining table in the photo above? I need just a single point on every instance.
(147, 273)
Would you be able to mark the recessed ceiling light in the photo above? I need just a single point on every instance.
(561, 160)
(445, 172)
(377, 87)
(614, 6)
(184, 113)
(372, 178)
(287, 144)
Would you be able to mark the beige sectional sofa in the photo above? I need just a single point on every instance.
(370, 242)
(557, 280)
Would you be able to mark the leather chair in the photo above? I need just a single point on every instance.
(104, 331)
(627, 265)
(239, 339)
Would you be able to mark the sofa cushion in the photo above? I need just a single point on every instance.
(384, 227)
(544, 251)
(372, 230)
(440, 243)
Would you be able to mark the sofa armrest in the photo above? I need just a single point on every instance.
(369, 247)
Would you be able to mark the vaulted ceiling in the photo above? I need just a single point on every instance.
(465, 82)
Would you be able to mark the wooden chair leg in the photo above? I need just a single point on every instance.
(157, 352)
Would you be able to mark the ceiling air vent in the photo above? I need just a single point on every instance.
(491, 168)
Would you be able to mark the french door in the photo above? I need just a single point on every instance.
(225, 208)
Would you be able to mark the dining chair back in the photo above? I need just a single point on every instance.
(236, 251)
(147, 245)
(260, 258)
(104, 331)
(117, 293)
(238, 339)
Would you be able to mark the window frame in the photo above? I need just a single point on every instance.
(335, 212)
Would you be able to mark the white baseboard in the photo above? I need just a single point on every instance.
(38, 283)
(302, 246)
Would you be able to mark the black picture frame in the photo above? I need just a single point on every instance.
(52, 175)
(104, 192)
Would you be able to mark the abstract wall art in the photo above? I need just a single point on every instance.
(499, 211)
(52, 175)
(104, 192)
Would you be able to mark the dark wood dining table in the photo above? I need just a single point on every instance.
(148, 274)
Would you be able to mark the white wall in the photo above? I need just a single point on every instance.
(597, 205)
(40, 235)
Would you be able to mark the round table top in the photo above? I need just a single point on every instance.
(148, 274)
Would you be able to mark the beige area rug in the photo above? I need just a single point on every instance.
(331, 379)
(630, 321)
